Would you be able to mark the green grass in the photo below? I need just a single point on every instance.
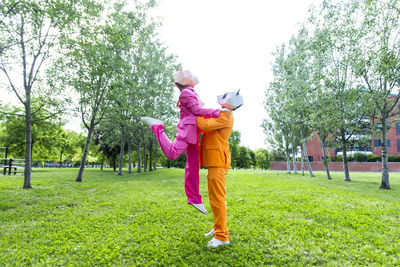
(143, 219)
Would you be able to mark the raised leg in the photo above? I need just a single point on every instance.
(171, 150)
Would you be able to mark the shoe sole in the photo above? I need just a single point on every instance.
(198, 209)
(224, 244)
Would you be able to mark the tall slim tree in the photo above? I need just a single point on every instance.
(335, 40)
(95, 58)
(34, 27)
(378, 64)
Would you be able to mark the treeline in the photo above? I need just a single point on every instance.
(338, 73)
(52, 143)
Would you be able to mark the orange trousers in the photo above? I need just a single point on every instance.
(217, 195)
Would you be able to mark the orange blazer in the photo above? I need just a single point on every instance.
(214, 147)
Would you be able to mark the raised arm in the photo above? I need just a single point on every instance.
(224, 120)
(189, 100)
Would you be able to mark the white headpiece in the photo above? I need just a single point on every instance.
(185, 77)
(231, 98)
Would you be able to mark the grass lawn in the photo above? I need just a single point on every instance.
(143, 219)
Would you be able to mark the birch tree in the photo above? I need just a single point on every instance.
(335, 39)
(378, 64)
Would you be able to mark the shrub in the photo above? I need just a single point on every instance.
(360, 157)
(76, 164)
(338, 158)
(37, 163)
(374, 158)
(277, 156)
(394, 158)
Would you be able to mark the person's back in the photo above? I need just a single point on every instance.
(214, 148)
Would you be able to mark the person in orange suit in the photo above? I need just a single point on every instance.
(215, 155)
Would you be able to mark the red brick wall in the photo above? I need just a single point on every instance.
(338, 166)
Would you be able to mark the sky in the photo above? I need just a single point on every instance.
(228, 44)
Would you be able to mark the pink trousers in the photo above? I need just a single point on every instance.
(172, 151)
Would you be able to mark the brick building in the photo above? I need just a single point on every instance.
(314, 150)
(393, 142)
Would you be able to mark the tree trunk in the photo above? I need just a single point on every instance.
(114, 164)
(28, 144)
(85, 153)
(139, 160)
(144, 157)
(61, 159)
(102, 162)
(151, 157)
(294, 160)
(288, 161)
(306, 156)
(345, 160)
(130, 156)
(121, 158)
(324, 159)
(155, 159)
(302, 159)
(308, 160)
(385, 167)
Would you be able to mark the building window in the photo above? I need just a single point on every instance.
(388, 142)
(397, 128)
(398, 145)
(377, 143)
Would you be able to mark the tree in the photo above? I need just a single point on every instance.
(253, 161)
(244, 159)
(30, 35)
(262, 158)
(67, 145)
(288, 123)
(8, 8)
(378, 64)
(347, 102)
(45, 133)
(94, 62)
(234, 141)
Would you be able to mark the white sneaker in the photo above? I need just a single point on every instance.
(152, 121)
(216, 243)
(211, 233)
(200, 207)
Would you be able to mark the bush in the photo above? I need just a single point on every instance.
(394, 158)
(360, 157)
(37, 163)
(76, 164)
(338, 158)
(374, 158)
(277, 156)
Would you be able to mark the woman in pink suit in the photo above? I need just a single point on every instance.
(187, 135)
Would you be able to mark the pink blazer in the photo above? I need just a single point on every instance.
(190, 109)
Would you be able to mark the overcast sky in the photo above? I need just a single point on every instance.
(228, 45)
